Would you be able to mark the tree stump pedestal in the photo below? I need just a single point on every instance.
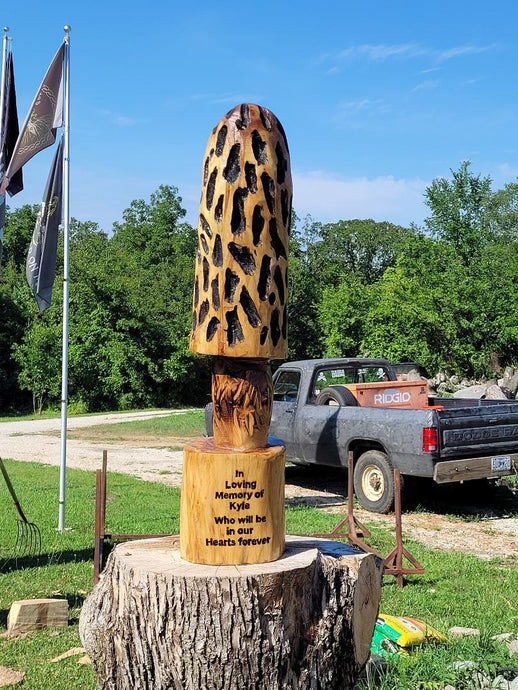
(157, 622)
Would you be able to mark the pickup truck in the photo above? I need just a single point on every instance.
(448, 440)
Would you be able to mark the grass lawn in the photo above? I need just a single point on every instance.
(181, 426)
(456, 589)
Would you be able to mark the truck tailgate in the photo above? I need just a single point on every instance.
(477, 431)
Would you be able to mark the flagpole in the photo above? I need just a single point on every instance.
(5, 41)
(66, 223)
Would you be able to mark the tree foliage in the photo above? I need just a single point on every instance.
(445, 296)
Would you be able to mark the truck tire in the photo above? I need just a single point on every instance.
(374, 482)
(336, 395)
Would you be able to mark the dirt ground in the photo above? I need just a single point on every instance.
(439, 517)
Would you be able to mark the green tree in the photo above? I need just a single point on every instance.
(365, 248)
(39, 357)
(501, 217)
(458, 211)
(342, 316)
(18, 232)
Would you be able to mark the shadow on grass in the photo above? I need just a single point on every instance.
(470, 500)
(45, 559)
(475, 500)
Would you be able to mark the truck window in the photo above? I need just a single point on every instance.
(286, 386)
(372, 375)
(331, 377)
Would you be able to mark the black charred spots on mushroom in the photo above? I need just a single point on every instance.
(251, 178)
(249, 308)
(204, 310)
(205, 271)
(277, 279)
(285, 208)
(265, 119)
(243, 257)
(283, 134)
(205, 226)
(231, 283)
(212, 327)
(234, 330)
(257, 225)
(210, 188)
(282, 164)
(244, 120)
(193, 322)
(272, 298)
(284, 323)
(269, 191)
(238, 220)
(196, 292)
(231, 169)
(277, 244)
(206, 170)
(217, 252)
(220, 140)
(218, 211)
(263, 335)
(275, 329)
(258, 147)
(264, 278)
(215, 292)
(204, 244)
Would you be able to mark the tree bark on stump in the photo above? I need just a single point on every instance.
(305, 621)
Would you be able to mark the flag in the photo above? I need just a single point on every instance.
(41, 259)
(9, 135)
(44, 117)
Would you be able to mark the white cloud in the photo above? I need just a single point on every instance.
(117, 119)
(381, 51)
(329, 198)
(426, 85)
(458, 51)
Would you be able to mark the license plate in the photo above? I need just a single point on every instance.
(500, 463)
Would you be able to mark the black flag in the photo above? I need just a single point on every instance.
(39, 128)
(9, 134)
(41, 259)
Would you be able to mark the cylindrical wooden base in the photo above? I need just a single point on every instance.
(156, 622)
(232, 505)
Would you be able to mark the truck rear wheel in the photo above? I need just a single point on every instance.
(374, 482)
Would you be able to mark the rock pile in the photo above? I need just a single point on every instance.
(492, 389)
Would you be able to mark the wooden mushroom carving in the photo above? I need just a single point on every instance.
(239, 317)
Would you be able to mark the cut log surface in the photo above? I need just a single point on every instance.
(305, 621)
(37, 614)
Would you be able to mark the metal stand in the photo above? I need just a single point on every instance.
(101, 536)
(394, 560)
(351, 528)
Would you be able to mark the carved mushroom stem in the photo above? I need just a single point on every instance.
(242, 395)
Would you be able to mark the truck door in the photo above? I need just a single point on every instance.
(286, 389)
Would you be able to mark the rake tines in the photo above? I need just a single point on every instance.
(28, 539)
(28, 535)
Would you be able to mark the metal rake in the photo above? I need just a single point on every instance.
(28, 535)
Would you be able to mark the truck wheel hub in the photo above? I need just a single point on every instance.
(372, 483)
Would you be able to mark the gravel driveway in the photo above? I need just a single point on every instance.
(39, 441)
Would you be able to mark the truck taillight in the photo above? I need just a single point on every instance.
(429, 439)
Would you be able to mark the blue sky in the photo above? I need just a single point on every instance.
(377, 98)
